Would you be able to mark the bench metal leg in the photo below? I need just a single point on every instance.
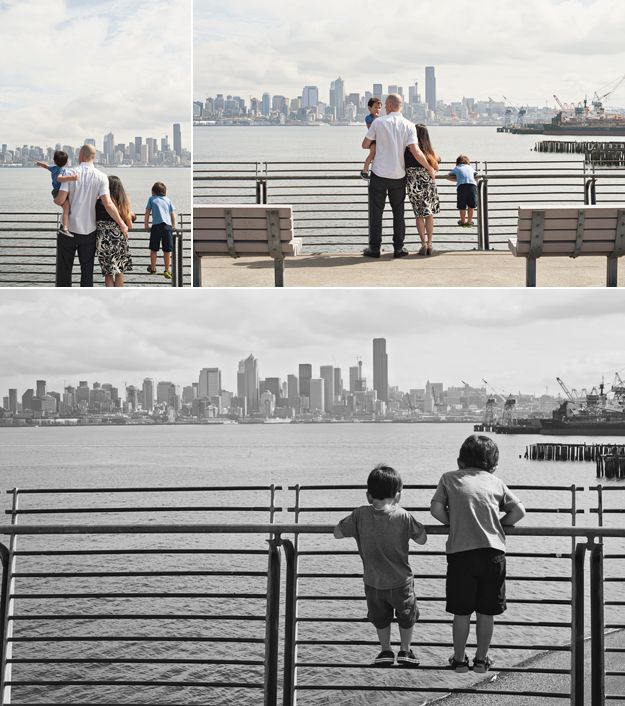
(530, 272)
(278, 267)
(612, 272)
(197, 270)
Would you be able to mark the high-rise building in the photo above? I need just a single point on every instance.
(27, 399)
(138, 146)
(210, 382)
(305, 376)
(353, 378)
(380, 368)
(413, 94)
(109, 148)
(377, 90)
(430, 88)
(337, 97)
(82, 392)
(148, 394)
(326, 373)
(247, 382)
(274, 386)
(13, 400)
(292, 386)
(177, 140)
(316, 395)
(41, 388)
(338, 383)
(392, 88)
(310, 97)
(266, 104)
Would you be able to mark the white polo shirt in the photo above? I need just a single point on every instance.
(91, 184)
(392, 134)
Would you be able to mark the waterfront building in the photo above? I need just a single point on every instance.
(380, 368)
(27, 399)
(338, 384)
(353, 378)
(413, 94)
(41, 388)
(148, 394)
(12, 401)
(108, 148)
(377, 90)
(305, 376)
(210, 382)
(266, 104)
(326, 373)
(310, 97)
(177, 140)
(337, 97)
(292, 390)
(267, 403)
(247, 383)
(316, 395)
(430, 88)
(274, 386)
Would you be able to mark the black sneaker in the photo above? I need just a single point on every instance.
(460, 667)
(368, 252)
(150, 270)
(401, 253)
(407, 659)
(365, 176)
(481, 666)
(386, 658)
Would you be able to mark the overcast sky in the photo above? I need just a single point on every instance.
(525, 50)
(73, 69)
(517, 340)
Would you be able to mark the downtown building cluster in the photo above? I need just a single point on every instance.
(300, 396)
(344, 107)
(140, 152)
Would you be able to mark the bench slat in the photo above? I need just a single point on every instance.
(240, 211)
(217, 236)
(219, 223)
(564, 236)
(556, 224)
(293, 247)
(565, 248)
(569, 211)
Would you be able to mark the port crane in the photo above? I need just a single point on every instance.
(597, 101)
(509, 404)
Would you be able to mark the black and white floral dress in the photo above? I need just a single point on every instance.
(111, 244)
(421, 189)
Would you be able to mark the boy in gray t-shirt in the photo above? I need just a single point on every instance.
(471, 501)
(382, 531)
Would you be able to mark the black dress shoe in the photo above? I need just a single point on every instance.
(368, 252)
(401, 253)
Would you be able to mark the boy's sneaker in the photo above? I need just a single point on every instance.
(460, 667)
(63, 231)
(461, 223)
(481, 666)
(150, 270)
(407, 659)
(167, 274)
(386, 658)
(365, 176)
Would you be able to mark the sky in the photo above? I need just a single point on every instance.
(515, 339)
(526, 51)
(73, 69)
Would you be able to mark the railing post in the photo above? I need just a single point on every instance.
(4, 597)
(8, 588)
(480, 225)
(597, 683)
(577, 626)
(593, 192)
(174, 259)
(258, 190)
(484, 216)
(272, 623)
(290, 624)
(587, 184)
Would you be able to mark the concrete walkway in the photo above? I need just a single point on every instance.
(447, 269)
(615, 686)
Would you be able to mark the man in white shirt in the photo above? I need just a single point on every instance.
(393, 134)
(92, 184)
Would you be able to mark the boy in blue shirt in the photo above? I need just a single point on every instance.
(163, 223)
(59, 175)
(464, 176)
(375, 108)
(382, 531)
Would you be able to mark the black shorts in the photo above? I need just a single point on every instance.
(476, 582)
(381, 603)
(467, 196)
(55, 193)
(161, 232)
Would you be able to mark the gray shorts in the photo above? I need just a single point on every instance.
(382, 603)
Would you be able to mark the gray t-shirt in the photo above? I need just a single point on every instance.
(474, 500)
(382, 537)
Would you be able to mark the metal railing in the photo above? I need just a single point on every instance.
(197, 594)
(329, 199)
(28, 248)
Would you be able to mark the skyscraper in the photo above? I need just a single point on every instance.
(316, 395)
(337, 96)
(138, 144)
(209, 383)
(109, 148)
(305, 376)
(247, 382)
(310, 97)
(13, 400)
(292, 389)
(326, 373)
(148, 394)
(430, 88)
(377, 90)
(177, 140)
(41, 388)
(380, 368)
(266, 103)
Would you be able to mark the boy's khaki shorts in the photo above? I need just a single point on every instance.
(382, 603)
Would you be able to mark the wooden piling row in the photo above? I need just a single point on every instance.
(609, 458)
(611, 154)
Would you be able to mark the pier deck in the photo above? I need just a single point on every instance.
(446, 269)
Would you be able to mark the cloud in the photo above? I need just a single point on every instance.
(527, 51)
(74, 69)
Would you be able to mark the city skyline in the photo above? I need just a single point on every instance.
(528, 53)
(521, 341)
(86, 65)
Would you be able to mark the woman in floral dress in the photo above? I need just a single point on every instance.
(422, 190)
(112, 245)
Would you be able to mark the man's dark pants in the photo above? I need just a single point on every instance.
(379, 187)
(66, 249)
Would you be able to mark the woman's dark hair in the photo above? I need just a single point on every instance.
(425, 145)
(120, 199)
(383, 482)
(159, 189)
(60, 158)
(479, 452)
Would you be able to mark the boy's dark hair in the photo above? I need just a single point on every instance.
(159, 189)
(383, 482)
(462, 159)
(372, 101)
(479, 452)
(60, 158)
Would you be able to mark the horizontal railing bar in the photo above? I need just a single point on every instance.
(161, 551)
(131, 682)
(433, 668)
(132, 660)
(134, 638)
(437, 599)
(443, 621)
(526, 555)
(432, 486)
(156, 508)
(134, 616)
(141, 489)
(278, 529)
(130, 574)
(411, 508)
(363, 643)
(430, 689)
(131, 594)
(429, 577)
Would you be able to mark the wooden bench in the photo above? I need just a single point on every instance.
(238, 230)
(570, 231)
